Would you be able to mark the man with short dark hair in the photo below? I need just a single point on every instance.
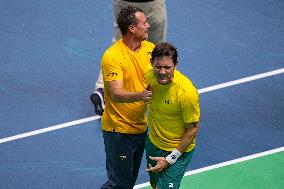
(156, 13)
(172, 118)
(124, 119)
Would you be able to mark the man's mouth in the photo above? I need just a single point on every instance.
(162, 76)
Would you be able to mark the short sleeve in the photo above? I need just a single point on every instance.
(111, 68)
(189, 104)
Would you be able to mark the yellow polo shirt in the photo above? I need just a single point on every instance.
(171, 107)
(121, 63)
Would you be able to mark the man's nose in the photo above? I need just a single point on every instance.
(162, 71)
(148, 25)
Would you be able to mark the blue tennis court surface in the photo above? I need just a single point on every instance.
(50, 53)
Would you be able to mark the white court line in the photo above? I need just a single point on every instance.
(242, 80)
(246, 158)
(84, 120)
(52, 128)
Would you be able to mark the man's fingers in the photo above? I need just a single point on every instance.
(153, 158)
(149, 168)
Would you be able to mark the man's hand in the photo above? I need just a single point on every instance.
(146, 95)
(162, 164)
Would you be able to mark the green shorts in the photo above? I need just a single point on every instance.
(171, 177)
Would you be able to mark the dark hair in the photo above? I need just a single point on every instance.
(165, 49)
(126, 17)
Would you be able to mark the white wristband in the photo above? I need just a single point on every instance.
(172, 158)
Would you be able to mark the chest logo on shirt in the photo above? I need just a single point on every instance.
(167, 101)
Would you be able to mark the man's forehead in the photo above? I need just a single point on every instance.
(140, 16)
(163, 59)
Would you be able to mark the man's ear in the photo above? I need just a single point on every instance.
(131, 28)
(176, 64)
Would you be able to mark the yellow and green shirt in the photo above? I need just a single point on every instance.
(171, 107)
(121, 63)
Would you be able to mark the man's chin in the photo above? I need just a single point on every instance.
(163, 82)
(146, 37)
